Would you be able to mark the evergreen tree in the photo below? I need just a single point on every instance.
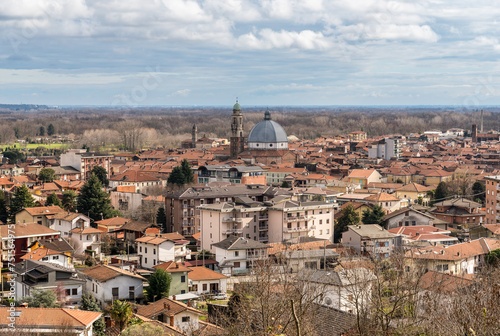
(53, 200)
(22, 199)
(41, 132)
(441, 192)
(101, 174)
(47, 175)
(69, 200)
(93, 201)
(479, 188)
(177, 177)
(51, 130)
(89, 303)
(375, 216)
(285, 184)
(161, 219)
(187, 172)
(4, 212)
(349, 216)
(42, 299)
(159, 285)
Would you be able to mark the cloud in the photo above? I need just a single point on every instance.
(270, 39)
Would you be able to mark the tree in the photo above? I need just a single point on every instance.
(373, 216)
(41, 131)
(493, 257)
(42, 299)
(159, 285)
(187, 171)
(121, 312)
(348, 217)
(399, 181)
(479, 191)
(101, 174)
(177, 176)
(22, 199)
(47, 175)
(204, 254)
(89, 303)
(93, 201)
(144, 329)
(69, 200)
(53, 200)
(161, 219)
(285, 184)
(441, 192)
(4, 212)
(51, 130)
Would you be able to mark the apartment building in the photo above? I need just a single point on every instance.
(492, 199)
(84, 161)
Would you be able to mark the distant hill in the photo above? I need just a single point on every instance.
(22, 107)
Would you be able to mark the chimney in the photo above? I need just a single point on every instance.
(173, 297)
(166, 305)
(189, 303)
(107, 320)
(171, 318)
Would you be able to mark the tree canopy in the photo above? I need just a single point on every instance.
(144, 329)
(69, 200)
(47, 175)
(4, 212)
(373, 216)
(53, 200)
(161, 219)
(89, 303)
(101, 174)
(93, 201)
(182, 174)
(22, 199)
(159, 285)
(51, 130)
(349, 216)
(479, 191)
(42, 299)
(121, 312)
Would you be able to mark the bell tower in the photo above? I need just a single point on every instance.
(194, 136)
(237, 139)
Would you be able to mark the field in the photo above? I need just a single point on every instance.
(33, 146)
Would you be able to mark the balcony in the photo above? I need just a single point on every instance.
(187, 224)
(263, 217)
(263, 227)
(232, 220)
(263, 239)
(254, 256)
(299, 229)
(298, 218)
(232, 231)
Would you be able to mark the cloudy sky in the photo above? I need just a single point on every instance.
(266, 52)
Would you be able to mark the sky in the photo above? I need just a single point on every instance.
(265, 52)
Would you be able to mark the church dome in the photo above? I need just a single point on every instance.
(237, 106)
(267, 134)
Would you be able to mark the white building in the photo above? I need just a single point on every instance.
(203, 280)
(107, 284)
(64, 222)
(155, 250)
(387, 148)
(86, 239)
(371, 239)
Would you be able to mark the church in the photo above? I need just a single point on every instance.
(267, 142)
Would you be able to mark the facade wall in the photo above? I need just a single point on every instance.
(103, 291)
(152, 255)
(492, 200)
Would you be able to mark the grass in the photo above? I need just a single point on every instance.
(34, 146)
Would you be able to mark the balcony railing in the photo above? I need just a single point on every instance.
(263, 239)
(256, 256)
(299, 229)
(263, 227)
(298, 218)
(263, 217)
(231, 231)
(232, 220)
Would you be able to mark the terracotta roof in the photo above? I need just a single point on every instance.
(39, 253)
(88, 230)
(382, 197)
(27, 230)
(415, 187)
(106, 272)
(494, 228)
(163, 306)
(50, 317)
(443, 283)
(134, 176)
(456, 252)
(202, 273)
(136, 226)
(361, 173)
(67, 216)
(172, 267)
(48, 210)
(113, 221)
(151, 240)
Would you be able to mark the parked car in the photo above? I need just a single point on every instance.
(220, 296)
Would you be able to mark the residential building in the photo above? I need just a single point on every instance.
(275, 175)
(125, 198)
(111, 224)
(295, 260)
(387, 148)
(203, 280)
(84, 161)
(364, 176)
(459, 213)
(414, 192)
(25, 235)
(388, 202)
(357, 136)
(39, 215)
(64, 222)
(371, 239)
(50, 256)
(107, 284)
(232, 174)
(141, 181)
(49, 321)
(87, 239)
(492, 199)
(34, 275)
(180, 275)
(155, 250)
(485, 231)
(424, 233)
(412, 217)
(238, 255)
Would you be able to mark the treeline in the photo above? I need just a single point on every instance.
(169, 126)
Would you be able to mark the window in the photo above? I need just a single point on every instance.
(145, 250)
(115, 292)
(236, 253)
(145, 260)
(183, 278)
(185, 319)
(154, 251)
(74, 291)
(205, 287)
(327, 221)
(45, 258)
(68, 292)
(131, 293)
(140, 249)
(413, 223)
(154, 261)
(320, 221)
(237, 264)
(88, 237)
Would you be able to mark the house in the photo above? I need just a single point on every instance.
(133, 230)
(459, 213)
(179, 273)
(37, 275)
(371, 239)
(174, 313)
(84, 162)
(38, 215)
(87, 239)
(342, 289)
(203, 280)
(154, 250)
(64, 222)
(232, 174)
(50, 256)
(485, 231)
(238, 255)
(458, 259)
(364, 177)
(111, 224)
(414, 192)
(126, 200)
(48, 321)
(107, 283)
(388, 202)
(295, 260)
(424, 233)
(25, 235)
(138, 179)
(412, 217)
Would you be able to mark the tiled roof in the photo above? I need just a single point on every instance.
(48, 210)
(134, 176)
(361, 173)
(67, 216)
(456, 252)
(87, 230)
(106, 272)
(39, 253)
(27, 229)
(60, 244)
(172, 267)
(382, 197)
(151, 240)
(443, 283)
(415, 187)
(163, 306)
(113, 221)
(239, 243)
(202, 273)
(57, 317)
(494, 228)
(136, 226)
